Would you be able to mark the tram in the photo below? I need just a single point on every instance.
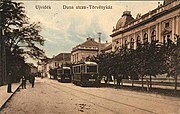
(85, 74)
(64, 74)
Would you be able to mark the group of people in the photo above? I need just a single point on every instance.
(118, 78)
(31, 80)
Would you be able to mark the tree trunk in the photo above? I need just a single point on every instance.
(142, 81)
(9, 88)
(132, 81)
(175, 85)
(150, 82)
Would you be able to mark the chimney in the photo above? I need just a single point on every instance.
(90, 38)
(99, 51)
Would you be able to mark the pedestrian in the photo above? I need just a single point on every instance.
(32, 80)
(23, 82)
(119, 80)
(105, 79)
(98, 81)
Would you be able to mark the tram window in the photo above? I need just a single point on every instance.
(91, 68)
(66, 71)
(83, 68)
(59, 72)
(77, 69)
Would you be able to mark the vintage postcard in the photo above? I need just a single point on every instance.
(90, 57)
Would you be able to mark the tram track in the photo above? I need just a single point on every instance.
(69, 92)
(96, 96)
(169, 102)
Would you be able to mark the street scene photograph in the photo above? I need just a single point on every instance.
(90, 57)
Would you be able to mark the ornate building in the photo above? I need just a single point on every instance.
(159, 24)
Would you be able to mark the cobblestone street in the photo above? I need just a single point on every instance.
(52, 97)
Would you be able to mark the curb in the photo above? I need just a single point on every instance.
(9, 97)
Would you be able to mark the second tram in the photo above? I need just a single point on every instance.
(85, 74)
(64, 74)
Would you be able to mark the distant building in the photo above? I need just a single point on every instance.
(59, 60)
(41, 67)
(89, 48)
(107, 48)
(33, 69)
(159, 24)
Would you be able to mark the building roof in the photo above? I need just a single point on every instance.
(108, 47)
(62, 57)
(89, 44)
(124, 20)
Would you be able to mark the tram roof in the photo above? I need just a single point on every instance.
(86, 62)
(66, 68)
(90, 63)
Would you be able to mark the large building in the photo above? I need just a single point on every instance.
(89, 48)
(159, 24)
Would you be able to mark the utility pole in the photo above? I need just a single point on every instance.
(99, 35)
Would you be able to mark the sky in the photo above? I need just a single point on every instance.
(63, 29)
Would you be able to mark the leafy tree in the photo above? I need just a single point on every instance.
(173, 60)
(21, 38)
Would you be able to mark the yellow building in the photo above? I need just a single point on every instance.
(159, 24)
(89, 48)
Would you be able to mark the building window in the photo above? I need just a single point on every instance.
(132, 43)
(126, 44)
(77, 57)
(153, 36)
(164, 40)
(138, 41)
(55, 64)
(167, 39)
(166, 24)
(115, 47)
(145, 38)
(117, 42)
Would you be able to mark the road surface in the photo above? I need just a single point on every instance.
(53, 97)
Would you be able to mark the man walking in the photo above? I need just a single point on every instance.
(33, 79)
(23, 82)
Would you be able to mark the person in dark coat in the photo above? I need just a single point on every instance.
(33, 80)
(119, 79)
(23, 82)
(98, 81)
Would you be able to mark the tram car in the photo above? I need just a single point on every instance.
(85, 74)
(64, 74)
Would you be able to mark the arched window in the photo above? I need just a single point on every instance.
(138, 41)
(145, 38)
(153, 36)
(126, 43)
(117, 42)
(167, 39)
(132, 43)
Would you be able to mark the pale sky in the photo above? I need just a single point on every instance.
(63, 29)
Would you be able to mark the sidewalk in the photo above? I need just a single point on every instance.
(4, 96)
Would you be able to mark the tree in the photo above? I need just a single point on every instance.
(21, 38)
(173, 60)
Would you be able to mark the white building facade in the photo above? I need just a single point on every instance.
(159, 24)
